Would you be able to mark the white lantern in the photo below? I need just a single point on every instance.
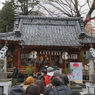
(54, 53)
(48, 52)
(65, 55)
(33, 54)
(40, 52)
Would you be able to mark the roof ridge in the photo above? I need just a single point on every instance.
(44, 17)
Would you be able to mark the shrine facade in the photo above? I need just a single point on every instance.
(37, 41)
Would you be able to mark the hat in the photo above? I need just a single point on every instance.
(49, 69)
(57, 72)
(55, 68)
(44, 71)
(16, 90)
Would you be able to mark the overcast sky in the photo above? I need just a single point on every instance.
(1, 3)
(7, 0)
(81, 1)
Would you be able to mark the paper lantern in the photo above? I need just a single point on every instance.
(33, 54)
(65, 55)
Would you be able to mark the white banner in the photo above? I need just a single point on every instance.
(76, 71)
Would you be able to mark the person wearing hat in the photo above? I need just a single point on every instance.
(45, 66)
(48, 75)
(43, 73)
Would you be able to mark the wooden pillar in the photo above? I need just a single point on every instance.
(79, 56)
(34, 65)
(17, 59)
(64, 64)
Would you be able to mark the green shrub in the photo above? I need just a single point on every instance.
(29, 70)
(68, 70)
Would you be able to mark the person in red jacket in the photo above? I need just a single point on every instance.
(48, 75)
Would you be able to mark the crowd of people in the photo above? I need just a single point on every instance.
(49, 81)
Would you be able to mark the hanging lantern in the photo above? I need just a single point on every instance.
(65, 55)
(40, 52)
(33, 54)
(49, 52)
(54, 53)
(43, 52)
(46, 52)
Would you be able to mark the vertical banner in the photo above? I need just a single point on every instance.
(77, 71)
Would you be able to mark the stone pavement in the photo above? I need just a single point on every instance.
(84, 91)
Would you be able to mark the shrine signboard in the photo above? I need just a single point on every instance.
(76, 71)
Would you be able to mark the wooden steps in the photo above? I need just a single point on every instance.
(20, 70)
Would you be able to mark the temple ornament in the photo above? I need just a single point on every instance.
(3, 52)
(92, 51)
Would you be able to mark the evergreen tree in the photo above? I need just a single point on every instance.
(7, 17)
(23, 7)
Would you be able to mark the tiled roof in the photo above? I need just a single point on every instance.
(48, 31)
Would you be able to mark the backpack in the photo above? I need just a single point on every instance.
(47, 79)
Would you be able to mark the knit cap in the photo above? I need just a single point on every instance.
(49, 69)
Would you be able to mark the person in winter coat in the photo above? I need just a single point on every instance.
(43, 73)
(64, 79)
(16, 90)
(14, 75)
(29, 81)
(76, 93)
(58, 88)
(48, 75)
(41, 86)
(32, 90)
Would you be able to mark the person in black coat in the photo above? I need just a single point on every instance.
(64, 79)
(14, 75)
(58, 88)
(16, 90)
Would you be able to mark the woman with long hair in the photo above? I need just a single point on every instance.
(32, 90)
(41, 86)
(29, 81)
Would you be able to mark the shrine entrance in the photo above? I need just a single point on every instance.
(51, 58)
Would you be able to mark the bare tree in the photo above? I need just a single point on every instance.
(70, 8)
(25, 7)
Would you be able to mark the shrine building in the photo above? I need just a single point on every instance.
(37, 40)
